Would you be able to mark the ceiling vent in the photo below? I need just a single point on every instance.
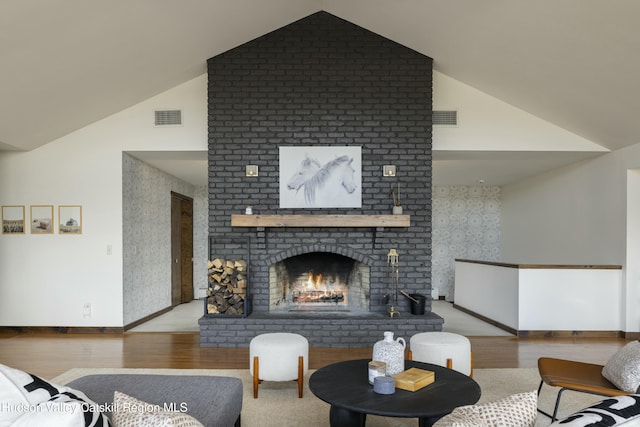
(445, 118)
(168, 117)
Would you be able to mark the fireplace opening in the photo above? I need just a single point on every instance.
(319, 281)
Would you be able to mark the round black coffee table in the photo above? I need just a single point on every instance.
(345, 386)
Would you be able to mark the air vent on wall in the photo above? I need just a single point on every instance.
(445, 118)
(168, 117)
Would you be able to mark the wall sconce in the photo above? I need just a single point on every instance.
(389, 170)
(251, 170)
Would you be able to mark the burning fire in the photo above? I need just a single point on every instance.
(317, 290)
(314, 281)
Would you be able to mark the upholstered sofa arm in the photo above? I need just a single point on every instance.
(214, 401)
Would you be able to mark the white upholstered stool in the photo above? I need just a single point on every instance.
(442, 348)
(278, 356)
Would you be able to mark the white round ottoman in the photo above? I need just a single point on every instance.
(278, 356)
(442, 348)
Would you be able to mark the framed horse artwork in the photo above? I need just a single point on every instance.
(320, 177)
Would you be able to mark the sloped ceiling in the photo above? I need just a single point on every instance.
(69, 63)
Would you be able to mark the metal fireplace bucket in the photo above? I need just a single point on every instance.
(417, 302)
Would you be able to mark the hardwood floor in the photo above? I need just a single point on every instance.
(49, 355)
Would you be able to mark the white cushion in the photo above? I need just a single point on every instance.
(131, 412)
(618, 411)
(623, 368)
(518, 410)
(27, 400)
(278, 355)
(437, 347)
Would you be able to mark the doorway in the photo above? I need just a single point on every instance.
(181, 249)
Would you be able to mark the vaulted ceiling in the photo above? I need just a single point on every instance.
(65, 64)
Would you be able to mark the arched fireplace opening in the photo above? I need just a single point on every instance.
(319, 281)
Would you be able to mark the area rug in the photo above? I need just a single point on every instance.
(278, 404)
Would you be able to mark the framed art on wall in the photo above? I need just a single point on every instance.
(41, 219)
(13, 220)
(320, 177)
(70, 219)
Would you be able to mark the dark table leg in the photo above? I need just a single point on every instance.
(428, 421)
(340, 417)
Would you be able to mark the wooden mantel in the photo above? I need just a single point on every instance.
(320, 220)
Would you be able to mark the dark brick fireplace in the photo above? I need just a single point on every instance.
(322, 81)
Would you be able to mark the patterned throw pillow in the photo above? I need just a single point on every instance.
(623, 368)
(613, 411)
(131, 412)
(27, 400)
(518, 410)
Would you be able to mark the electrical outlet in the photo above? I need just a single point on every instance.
(109, 249)
(86, 309)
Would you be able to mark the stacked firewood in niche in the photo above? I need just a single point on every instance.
(227, 286)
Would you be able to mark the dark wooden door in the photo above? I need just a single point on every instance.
(181, 249)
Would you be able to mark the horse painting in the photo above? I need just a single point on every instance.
(322, 185)
(307, 170)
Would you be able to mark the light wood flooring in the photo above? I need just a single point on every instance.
(49, 355)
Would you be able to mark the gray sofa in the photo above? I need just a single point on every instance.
(214, 401)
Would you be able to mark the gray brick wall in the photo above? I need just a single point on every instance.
(323, 81)
(337, 331)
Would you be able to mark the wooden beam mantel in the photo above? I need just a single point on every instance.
(320, 220)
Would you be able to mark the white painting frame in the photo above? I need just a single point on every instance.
(320, 177)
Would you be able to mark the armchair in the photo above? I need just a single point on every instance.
(576, 376)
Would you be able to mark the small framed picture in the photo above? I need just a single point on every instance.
(13, 220)
(70, 219)
(41, 219)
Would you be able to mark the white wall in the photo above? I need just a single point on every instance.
(489, 290)
(631, 294)
(486, 123)
(46, 279)
(573, 215)
(200, 234)
(569, 300)
(542, 299)
(576, 215)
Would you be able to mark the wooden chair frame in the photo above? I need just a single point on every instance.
(257, 380)
(576, 376)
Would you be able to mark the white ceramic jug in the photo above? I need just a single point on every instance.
(391, 352)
